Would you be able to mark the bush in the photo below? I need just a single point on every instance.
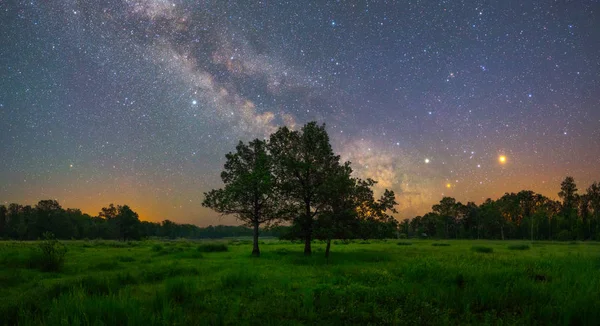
(212, 247)
(482, 249)
(403, 243)
(157, 247)
(50, 254)
(440, 244)
(403, 236)
(518, 247)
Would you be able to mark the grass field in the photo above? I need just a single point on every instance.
(412, 282)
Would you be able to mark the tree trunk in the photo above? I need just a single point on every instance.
(502, 231)
(255, 250)
(307, 248)
(327, 250)
(307, 230)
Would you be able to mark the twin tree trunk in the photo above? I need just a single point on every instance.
(255, 250)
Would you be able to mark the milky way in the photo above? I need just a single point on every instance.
(136, 102)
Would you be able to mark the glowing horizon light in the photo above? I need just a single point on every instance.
(502, 159)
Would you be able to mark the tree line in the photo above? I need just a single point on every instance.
(26, 222)
(522, 215)
(293, 186)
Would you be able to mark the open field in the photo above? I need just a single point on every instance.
(365, 282)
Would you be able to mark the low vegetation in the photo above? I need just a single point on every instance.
(376, 283)
(518, 247)
(482, 249)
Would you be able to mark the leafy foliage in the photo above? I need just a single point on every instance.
(50, 254)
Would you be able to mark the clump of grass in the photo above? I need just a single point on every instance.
(238, 280)
(281, 251)
(440, 244)
(178, 290)
(482, 249)
(105, 266)
(364, 242)
(125, 259)
(212, 247)
(157, 247)
(49, 255)
(518, 247)
(404, 243)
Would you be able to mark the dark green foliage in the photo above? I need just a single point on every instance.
(157, 247)
(482, 249)
(49, 256)
(404, 243)
(212, 247)
(437, 244)
(518, 247)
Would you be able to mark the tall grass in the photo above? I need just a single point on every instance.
(376, 283)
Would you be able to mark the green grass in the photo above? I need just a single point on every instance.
(518, 247)
(107, 283)
(212, 247)
(483, 249)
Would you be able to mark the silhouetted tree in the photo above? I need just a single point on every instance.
(250, 191)
(303, 160)
(568, 194)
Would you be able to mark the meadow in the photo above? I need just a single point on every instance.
(403, 282)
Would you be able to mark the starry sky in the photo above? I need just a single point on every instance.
(137, 101)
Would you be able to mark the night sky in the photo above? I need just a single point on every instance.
(137, 102)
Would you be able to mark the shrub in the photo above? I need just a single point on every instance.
(404, 243)
(403, 236)
(157, 247)
(212, 247)
(518, 247)
(440, 244)
(50, 254)
(482, 249)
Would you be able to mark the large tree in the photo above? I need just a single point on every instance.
(122, 222)
(568, 194)
(303, 161)
(250, 191)
(339, 215)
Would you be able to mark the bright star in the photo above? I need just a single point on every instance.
(502, 159)
(427, 161)
(194, 102)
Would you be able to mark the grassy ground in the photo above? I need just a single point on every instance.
(366, 283)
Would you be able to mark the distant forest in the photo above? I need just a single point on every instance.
(295, 179)
(25, 222)
(522, 215)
